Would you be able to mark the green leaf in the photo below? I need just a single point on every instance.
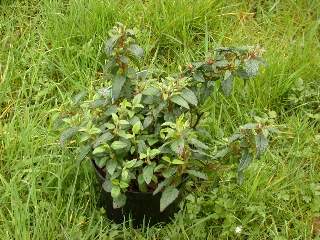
(177, 146)
(154, 152)
(147, 121)
(132, 150)
(102, 139)
(123, 185)
(166, 158)
(110, 44)
(111, 166)
(115, 118)
(170, 124)
(148, 173)
(261, 144)
(189, 96)
(142, 183)
(136, 127)
(131, 73)
(105, 92)
(250, 126)
(227, 83)
(110, 126)
(112, 109)
(245, 161)
(252, 67)
(101, 162)
(115, 181)
(169, 172)
(124, 59)
(124, 122)
(138, 163)
(150, 91)
(107, 185)
(141, 146)
(235, 137)
(136, 50)
(168, 196)
(161, 185)
(152, 141)
(97, 103)
(116, 145)
(142, 155)
(178, 162)
(67, 134)
(94, 130)
(117, 84)
(83, 152)
(98, 150)
(125, 135)
(130, 164)
(142, 74)
(79, 97)
(222, 63)
(136, 100)
(180, 101)
(222, 153)
(115, 192)
(198, 76)
(119, 201)
(197, 174)
(85, 137)
(159, 167)
(124, 175)
(134, 120)
(198, 144)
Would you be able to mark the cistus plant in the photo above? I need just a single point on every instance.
(250, 141)
(141, 129)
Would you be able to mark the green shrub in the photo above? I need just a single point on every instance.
(142, 128)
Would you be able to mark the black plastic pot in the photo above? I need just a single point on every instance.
(140, 207)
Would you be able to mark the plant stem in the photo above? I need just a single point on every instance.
(199, 115)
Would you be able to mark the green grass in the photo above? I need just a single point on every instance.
(50, 50)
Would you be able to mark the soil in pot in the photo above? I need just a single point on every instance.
(141, 207)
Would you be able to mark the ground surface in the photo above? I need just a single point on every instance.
(50, 50)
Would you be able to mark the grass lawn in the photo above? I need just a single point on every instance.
(50, 50)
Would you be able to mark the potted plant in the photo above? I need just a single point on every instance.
(140, 130)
